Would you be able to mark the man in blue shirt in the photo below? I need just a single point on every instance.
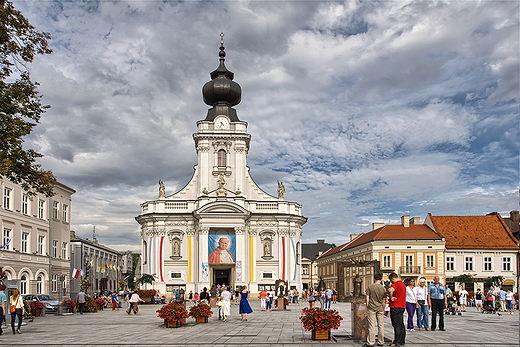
(502, 297)
(437, 300)
(329, 297)
(3, 306)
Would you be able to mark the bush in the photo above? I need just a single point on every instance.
(319, 319)
(200, 310)
(147, 293)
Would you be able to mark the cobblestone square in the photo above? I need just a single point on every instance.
(271, 328)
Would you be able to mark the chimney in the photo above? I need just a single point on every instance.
(353, 236)
(415, 220)
(320, 241)
(377, 225)
(405, 221)
(72, 234)
(94, 239)
(514, 216)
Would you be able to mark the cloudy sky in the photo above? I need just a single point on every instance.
(365, 110)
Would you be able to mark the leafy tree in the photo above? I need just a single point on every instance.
(465, 279)
(145, 279)
(20, 103)
(495, 281)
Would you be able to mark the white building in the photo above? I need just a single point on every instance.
(482, 246)
(253, 237)
(35, 238)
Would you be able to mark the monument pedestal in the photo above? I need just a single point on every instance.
(212, 302)
(359, 321)
(281, 303)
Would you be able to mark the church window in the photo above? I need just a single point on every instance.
(221, 158)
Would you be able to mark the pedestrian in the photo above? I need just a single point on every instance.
(421, 294)
(334, 296)
(328, 298)
(135, 300)
(411, 302)
(502, 297)
(323, 298)
(115, 301)
(190, 296)
(81, 301)
(3, 305)
(437, 300)
(478, 300)
(196, 297)
(17, 301)
(263, 298)
(244, 307)
(312, 298)
(220, 289)
(237, 295)
(204, 295)
(376, 302)
(397, 294)
(509, 301)
(463, 299)
(225, 298)
(491, 294)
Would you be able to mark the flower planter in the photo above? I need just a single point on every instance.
(320, 334)
(172, 324)
(202, 319)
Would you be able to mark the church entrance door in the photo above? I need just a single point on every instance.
(222, 276)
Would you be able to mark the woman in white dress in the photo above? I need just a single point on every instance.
(226, 297)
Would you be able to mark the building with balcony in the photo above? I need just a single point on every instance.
(482, 246)
(410, 249)
(221, 228)
(34, 249)
(309, 268)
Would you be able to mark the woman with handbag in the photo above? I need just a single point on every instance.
(421, 293)
(312, 298)
(16, 310)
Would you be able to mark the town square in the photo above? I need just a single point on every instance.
(259, 173)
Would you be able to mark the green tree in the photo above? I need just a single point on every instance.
(465, 279)
(145, 279)
(20, 103)
(495, 281)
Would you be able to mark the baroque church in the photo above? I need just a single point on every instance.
(221, 228)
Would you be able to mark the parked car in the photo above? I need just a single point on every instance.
(50, 302)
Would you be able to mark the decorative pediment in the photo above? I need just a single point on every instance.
(224, 208)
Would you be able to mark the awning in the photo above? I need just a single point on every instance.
(508, 283)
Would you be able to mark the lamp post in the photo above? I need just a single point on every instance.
(87, 266)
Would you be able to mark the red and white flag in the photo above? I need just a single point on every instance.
(75, 273)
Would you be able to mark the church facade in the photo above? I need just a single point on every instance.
(221, 228)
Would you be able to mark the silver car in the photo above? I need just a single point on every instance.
(50, 302)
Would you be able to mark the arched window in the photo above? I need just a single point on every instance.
(23, 284)
(145, 252)
(222, 158)
(39, 284)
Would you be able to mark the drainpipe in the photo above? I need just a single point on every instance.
(49, 242)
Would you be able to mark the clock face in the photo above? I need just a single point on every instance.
(221, 123)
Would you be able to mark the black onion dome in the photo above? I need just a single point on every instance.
(221, 92)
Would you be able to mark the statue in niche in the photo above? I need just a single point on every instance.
(281, 190)
(176, 248)
(267, 248)
(162, 190)
(221, 181)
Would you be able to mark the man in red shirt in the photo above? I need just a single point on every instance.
(397, 304)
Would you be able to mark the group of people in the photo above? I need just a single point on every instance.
(325, 297)
(14, 300)
(402, 297)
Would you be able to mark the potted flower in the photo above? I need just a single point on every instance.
(36, 307)
(69, 305)
(100, 303)
(201, 312)
(147, 295)
(121, 284)
(320, 322)
(27, 312)
(84, 284)
(90, 304)
(173, 314)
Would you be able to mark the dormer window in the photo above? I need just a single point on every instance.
(221, 158)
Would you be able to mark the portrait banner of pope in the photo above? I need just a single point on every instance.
(222, 249)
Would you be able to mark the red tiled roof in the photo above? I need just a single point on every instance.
(388, 232)
(477, 232)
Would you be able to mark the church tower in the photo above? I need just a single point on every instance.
(221, 228)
